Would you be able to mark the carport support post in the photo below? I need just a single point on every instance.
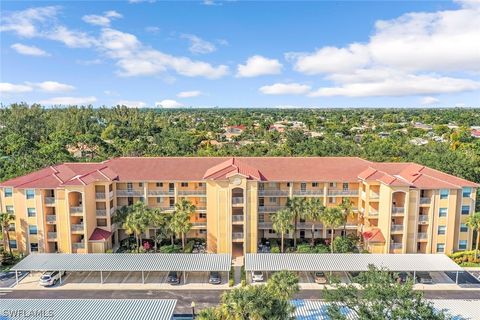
(101, 277)
(143, 277)
(184, 278)
(456, 278)
(414, 277)
(16, 277)
(60, 276)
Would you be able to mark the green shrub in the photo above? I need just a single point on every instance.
(189, 246)
(305, 248)
(170, 249)
(275, 250)
(231, 282)
(243, 283)
(344, 244)
(322, 248)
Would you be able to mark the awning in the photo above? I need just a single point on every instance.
(124, 262)
(348, 262)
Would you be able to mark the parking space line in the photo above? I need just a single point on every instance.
(105, 278)
(128, 275)
(88, 275)
(146, 277)
(64, 278)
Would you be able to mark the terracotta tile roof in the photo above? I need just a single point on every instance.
(307, 169)
(100, 234)
(374, 236)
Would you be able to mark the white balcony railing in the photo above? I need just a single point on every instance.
(112, 211)
(130, 193)
(51, 218)
(265, 225)
(398, 210)
(374, 195)
(100, 195)
(49, 200)
(425, 200)
(78, 245)
(110, 194)
(373, 212)
(198, 192)
(423, 218)
(397, 227)
(199, 224)
(396, 245)
(167, 208)
(308, 192)
(101, 212)
(52, 235)
(201, 207)
(422, 235)
(161, 193)
(270, 208)
(237, 218)
(273, 193)
(343, 192)
(78, 227)
(237, 200)
(76, 210)
(237, 236)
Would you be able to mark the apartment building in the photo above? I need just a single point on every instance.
(399, 207)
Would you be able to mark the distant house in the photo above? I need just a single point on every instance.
(315, 134)
(279, 127)
(419, 141)
(423, 126)
(452, 126)
(439, 139)
(476, 133)
(82, 150)
(234, 131)
(384, 134)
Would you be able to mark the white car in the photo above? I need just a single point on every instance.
(257, 276)
(50, 278)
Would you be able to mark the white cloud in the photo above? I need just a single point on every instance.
(52, 86)
(285, 88)
(6, 87)
(189, 94)
(198, 45)
(140, 1)
(425, 101)
(152, 29)
(24, 23)
(71, 38)
(29, 50)
(102, 20)
(258, 66)
(168, 103)
(69, 101)
(132, 103)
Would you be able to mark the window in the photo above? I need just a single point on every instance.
(332, 184)
(184, 184)
(261, 186)
(261, 217)
(288, 184)
(8, 192)
(303, 186)
(171, 187)
(466, 192)
(444, 194)
(11, 227)
(271, 231)
(463, 227)
(202, 231)
(201, 184)
(140, 184)
(314, 184)
(13, 244)
(462, 245)
(9, 209)
(331, 200)
(440, 247)
(465, 210)
(32, 229)
(33, 247)
(129, 186)
(261, 202)
(202, 215)
(159, 184)
(441, 229)
(442, 212)
(345, 186)
(142, 199)
(272, 200)
(31, 212)
(172, 202)
(159, 199)
(30, 194)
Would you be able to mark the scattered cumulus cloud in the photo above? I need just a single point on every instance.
(25, 23)
(132, 103)
(258, 66)
(285, 89)
(198, 45)
(45, 86)
(152, 29)
(69, 101)
(102, 20)
(6, 88)
(426, 101)
(189, 94)
(29, 50)
(168, 103)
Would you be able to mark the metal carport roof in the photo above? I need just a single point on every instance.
(348, 262)
(91, 309)
(124, 262)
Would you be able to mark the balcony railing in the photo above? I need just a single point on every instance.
(49, 200)
(198, 192)
(76, 210)
(78, 227)
(374, 195)
(161, 192)
(100, 195)
(237, 218)
(398, 210)
(201, 207)
(396, 245)
(52, 235)
(167, 208)
(343, 192)
(101, 212)
(372, 212)
(110, 194)
(78, 245)
(237, 236)
(397, 227)
(425, 200)
(422, 235)
(308, 192)
(270, 208)
(237, 200)
(51, 218)
(112, 211)
(273, 193)
(199, 224)
(363, 194)
(423, 218)
(130, 193)
(265, 225)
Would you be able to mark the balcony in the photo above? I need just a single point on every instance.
(160, 193)
(51, 219)
(308, 192)
(51, 235)
(76, 211)
(237, 236)
(78, 227)
(398, 211)
(50, 201)
(130, 193)
(199, 225)
(101, 212)
(270, 208)
(396, 245)
(397, 228)
(112, 211)
(363, 195)
(273, 193)
(422, 236)
(343, 192)
(264, 225)
(237, 200)
(167, 208)
(423, 219)
(78, 245)
(196, 193)
(425, 200)
(201, 208)
(237, 218)
(372, 213)
(374, 195)
(100, 195)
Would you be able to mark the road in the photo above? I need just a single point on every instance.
(202, 298)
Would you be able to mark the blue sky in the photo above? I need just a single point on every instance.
(241, 54)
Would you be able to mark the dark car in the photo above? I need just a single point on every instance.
(7, 275)
(403, 277)
(424, 278)
(214, 278)
(173, 277)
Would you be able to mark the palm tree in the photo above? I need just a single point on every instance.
(282, 223)
(159, 221)
(474, 223)
(137, 221)
(5, 220)
(297, 207)
(314, 208)
(332, 217)
(180, 222)
(347, 208)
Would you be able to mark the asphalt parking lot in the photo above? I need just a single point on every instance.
(8, 279)
(464, 278)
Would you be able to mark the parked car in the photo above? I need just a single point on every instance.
(50, 278)
(320, 277)
(7, 275)
(173, 277)
(424, 278)
(257, 276)
(402, 277)
(214, 278)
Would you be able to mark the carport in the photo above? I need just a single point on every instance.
(92, 309)
(350, 262)
(125, 262)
